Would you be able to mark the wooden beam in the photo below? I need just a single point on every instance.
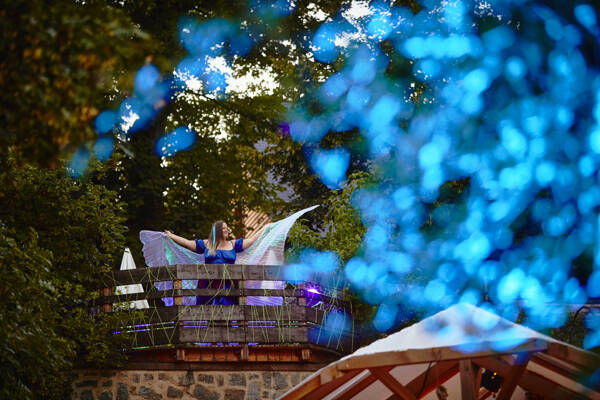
(436, 375)
(467, 380)
(557, 366)
(330, 386)
(300, 391)
(392, 384)
(484, 393)
(420, 356)
(358, 386)
(530, 381)
(581, 358)
(514, 375)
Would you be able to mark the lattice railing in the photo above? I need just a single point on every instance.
(211, 305)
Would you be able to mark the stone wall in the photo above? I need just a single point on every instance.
(209, 385)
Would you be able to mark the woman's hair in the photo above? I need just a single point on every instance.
(215, 237)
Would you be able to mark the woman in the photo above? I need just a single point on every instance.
(217, 249)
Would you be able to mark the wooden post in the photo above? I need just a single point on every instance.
(106, 307)
(467, 380)
(243, 300)
(305, 355)
(510, 382)
(177, 300)
(245, 353)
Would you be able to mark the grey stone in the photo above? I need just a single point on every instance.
(253, 391)
(148, 393)
(253, 377)
(295, 379)
(220, 380)
(149, 377)
(234, 394)
(280, 381)
(136, 378)
(163, 377)
(187, 379)
(87, 383)
(267, 378)
(205, 378)
(106, 396)
(87, 395)
(107, 384)
(174, 393)
(200, 392)
(237, 380)
(265, 395)
(122, 393)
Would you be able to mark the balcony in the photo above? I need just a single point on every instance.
(299, 327)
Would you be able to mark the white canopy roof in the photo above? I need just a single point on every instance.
(461, 338)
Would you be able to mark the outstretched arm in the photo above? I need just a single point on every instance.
(249, 241)
(190, 244)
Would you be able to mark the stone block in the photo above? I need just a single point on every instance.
(200, 392)
(237, 380)
(295, 378)
(187, 379)
(267, 379)
(107, 383)
(122, 393)
(136, 378)
(174, 393)
(148, 393)
(280, 381)
(106, 396)
(235, 394)
(87, 395)
(87, 383)
(206, 378)
(148, 377)
(163, 377)
(253, 377)
(253, 391)
(220, 380)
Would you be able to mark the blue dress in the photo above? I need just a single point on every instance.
(220, 257)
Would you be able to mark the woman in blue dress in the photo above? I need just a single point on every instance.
(217, 249)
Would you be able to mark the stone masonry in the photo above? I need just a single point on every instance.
(205, 385)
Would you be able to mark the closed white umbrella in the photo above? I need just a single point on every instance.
(128, 263)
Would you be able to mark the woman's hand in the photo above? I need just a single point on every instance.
(255, 235)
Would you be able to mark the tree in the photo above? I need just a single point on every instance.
(57, 237)
(59, 67)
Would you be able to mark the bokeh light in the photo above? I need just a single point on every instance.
(175, 141)
(500, 107)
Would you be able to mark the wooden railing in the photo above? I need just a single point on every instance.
(306, 316)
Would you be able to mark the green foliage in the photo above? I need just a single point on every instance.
(573, 331)
(57, 236)
(60, 62)
(342, 230)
